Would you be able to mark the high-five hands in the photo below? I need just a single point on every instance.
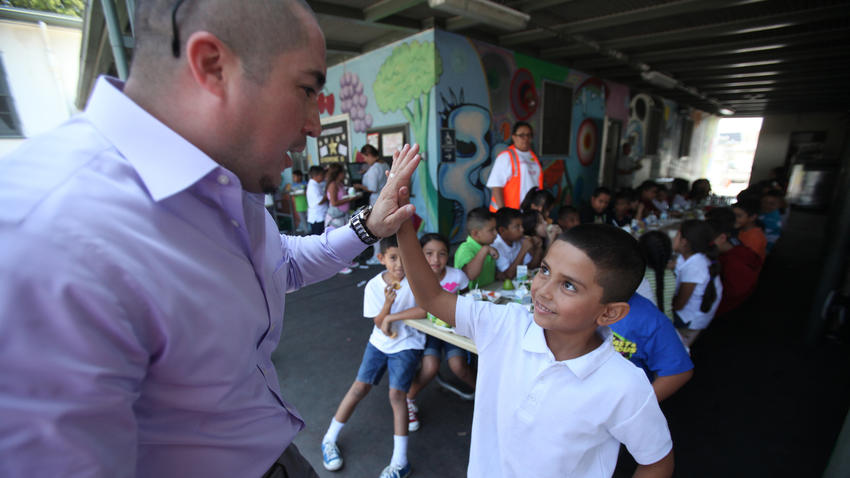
(393, 205)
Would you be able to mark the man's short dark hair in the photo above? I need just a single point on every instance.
(388, 242)
(316, 170)
(478, 218)
(601, 190)
(505, 215)
(615, 253)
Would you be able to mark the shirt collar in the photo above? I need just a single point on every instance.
(164, 160)
(535, 341)
(473, 244)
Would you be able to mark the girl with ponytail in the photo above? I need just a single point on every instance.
(698, 286)
(657, 250)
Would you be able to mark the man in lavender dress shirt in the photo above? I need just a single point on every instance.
(143, 280)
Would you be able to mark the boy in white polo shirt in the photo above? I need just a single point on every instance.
(393, 347)
(553, 398)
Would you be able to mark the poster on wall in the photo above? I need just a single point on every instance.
(448, 146)
(334, 141)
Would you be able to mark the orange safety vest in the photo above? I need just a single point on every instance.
(510, 192)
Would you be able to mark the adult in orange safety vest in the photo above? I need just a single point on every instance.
(515, 171)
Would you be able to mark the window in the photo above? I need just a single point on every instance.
(10, 124)
(557, 114)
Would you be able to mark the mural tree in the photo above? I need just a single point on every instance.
(404, 83)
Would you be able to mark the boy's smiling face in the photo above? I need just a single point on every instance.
(392, 261)
(567, 298)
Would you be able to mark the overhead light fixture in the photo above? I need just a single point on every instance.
(484, 11)
(726, 111)
(659, 79)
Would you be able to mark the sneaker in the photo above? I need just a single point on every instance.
(346, 270)
(412, 404)
(461, 391)
(412, 419)
(331, 458)
(373, 261)
(396, 471)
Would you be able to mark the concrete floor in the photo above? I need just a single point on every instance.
(760, 403)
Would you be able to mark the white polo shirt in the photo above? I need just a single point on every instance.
(535, 416)
(315, 194)
(507, 253)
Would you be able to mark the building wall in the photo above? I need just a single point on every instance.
(437, 80)
(776, 134)
(41, 69)
(396, 83)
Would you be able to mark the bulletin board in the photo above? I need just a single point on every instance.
(334, 142)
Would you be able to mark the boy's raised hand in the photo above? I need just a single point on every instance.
(393, 205)
(389, 298)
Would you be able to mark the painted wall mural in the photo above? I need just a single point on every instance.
(404, 83)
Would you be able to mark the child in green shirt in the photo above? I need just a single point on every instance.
(476, 257)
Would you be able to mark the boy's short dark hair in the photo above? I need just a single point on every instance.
(722, 220)
(615, 253)
(505, 215)
(478, 218)
(316, 170)
(565, 211)
(774, 193)
(297, 172)
(387, 242)
(601, 190)
(749, 206)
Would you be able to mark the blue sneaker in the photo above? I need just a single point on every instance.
(331, 458)
(396, 471)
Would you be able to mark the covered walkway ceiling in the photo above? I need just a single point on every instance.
(753, 56)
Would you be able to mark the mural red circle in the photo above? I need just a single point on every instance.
(586, 141)
(524, 98)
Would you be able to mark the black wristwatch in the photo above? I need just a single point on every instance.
(358, 224)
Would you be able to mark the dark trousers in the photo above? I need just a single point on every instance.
(317, 227)
(291, 464)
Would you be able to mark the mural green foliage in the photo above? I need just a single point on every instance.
(542, 70)
(404, 82)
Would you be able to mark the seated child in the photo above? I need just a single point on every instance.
(476, 257)
(553, 398)
(595, 211)
(539, 200)
(657, 250)
(436, 250)
(568, 218)
(392, 346)
(750, 233)
(739, 265)
(647, 193)
(698, 286)
(535, 227)
(620, 214)
(647, 338)
(678, 193)
(770, 216)
(662, 199)
(514, 247)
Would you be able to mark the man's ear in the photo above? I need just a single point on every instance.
(613, 312)
(210, 62)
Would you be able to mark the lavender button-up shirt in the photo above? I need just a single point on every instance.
(142, 296)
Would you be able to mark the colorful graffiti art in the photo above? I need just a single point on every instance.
(354, 101)
(404, 83)
(524, 99)
(461, 182)
(588, 141)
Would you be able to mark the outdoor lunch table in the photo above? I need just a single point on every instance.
(450, 336)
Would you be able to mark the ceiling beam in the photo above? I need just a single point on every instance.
(357, 17)
(617, 19)
(385, 8)
(736, 27)
(343, 48)
(744, 60)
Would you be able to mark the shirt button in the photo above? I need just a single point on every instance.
(235, 223)
(223, 179)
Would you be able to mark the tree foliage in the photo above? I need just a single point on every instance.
(65, 7)
(410, 71)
